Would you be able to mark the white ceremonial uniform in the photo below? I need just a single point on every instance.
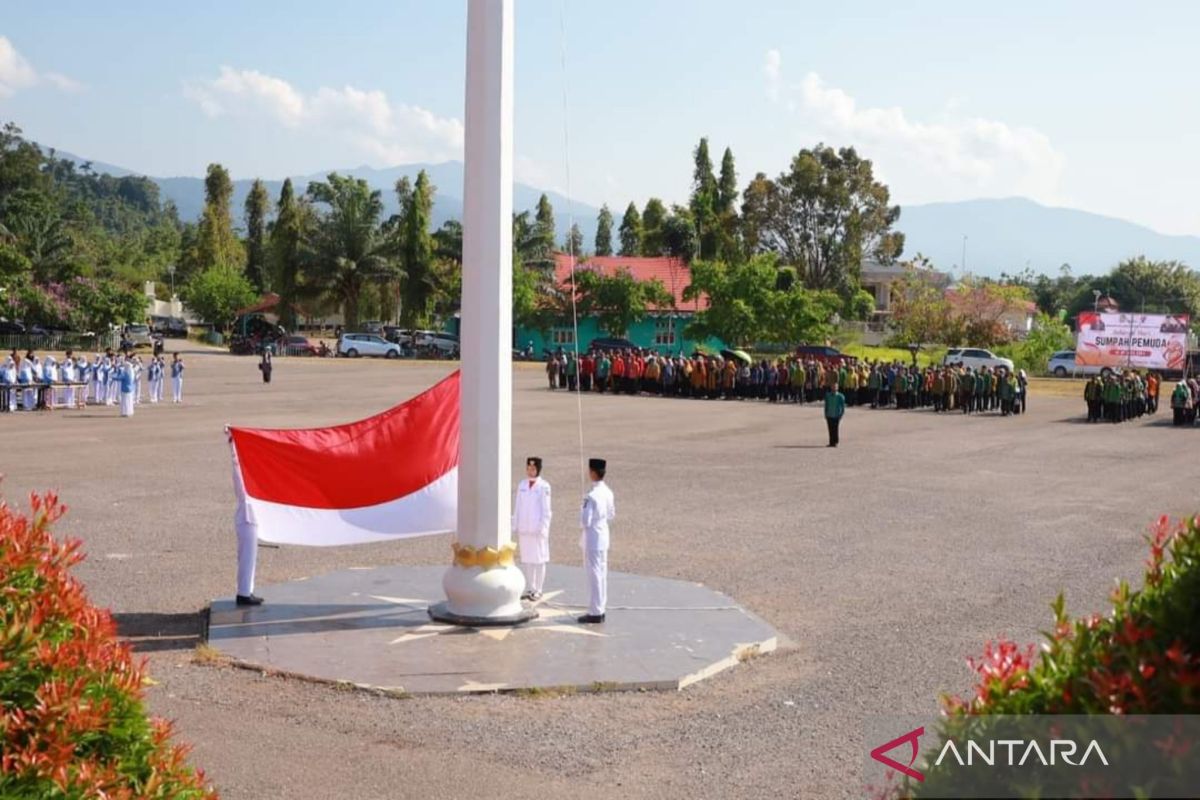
(127, 381)
(177, 381)
(10, 379)
(599, 508)
(137, 380)
(25, 378)
(114, 381)
(49, 378)
(247, 536)
(531, 524)
(67, 374)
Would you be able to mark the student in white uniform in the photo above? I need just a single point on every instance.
(247, 541)
(8, 376)
(155, 373)
(67, 375)
(114, 381)
(49, 378)
(138, 382)
(599, 509)
(25, 379)
(127, 382)
(531, 525)
(176, 378)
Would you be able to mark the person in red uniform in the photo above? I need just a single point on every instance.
(618, 372)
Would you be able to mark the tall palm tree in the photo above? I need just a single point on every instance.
(350, 250)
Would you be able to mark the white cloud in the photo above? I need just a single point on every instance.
(955, 156)
(16, 73)
(365, 119)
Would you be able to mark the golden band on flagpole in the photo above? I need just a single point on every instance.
(485, 557)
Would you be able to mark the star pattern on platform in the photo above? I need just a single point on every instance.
(549, 619)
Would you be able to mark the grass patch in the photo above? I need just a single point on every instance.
(205, 653)
(887, 354)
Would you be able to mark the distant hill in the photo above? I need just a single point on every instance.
(1003, 235)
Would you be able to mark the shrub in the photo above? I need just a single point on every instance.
(1142, 658)
(72, 719)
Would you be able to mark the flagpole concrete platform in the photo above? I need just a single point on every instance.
(370, 628)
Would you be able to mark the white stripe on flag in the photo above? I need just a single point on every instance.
(426, 512)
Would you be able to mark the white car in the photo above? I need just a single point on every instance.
(1062, 364)
(445, 343)
(353, 345)
(976, 358)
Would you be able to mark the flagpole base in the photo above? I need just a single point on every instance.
(478, 597)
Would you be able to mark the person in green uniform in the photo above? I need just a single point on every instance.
(835, 409)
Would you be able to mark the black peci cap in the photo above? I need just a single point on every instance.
(597, 463)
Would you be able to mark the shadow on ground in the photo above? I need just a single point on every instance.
(149, 633)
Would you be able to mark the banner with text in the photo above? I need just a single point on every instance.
(1143, 341)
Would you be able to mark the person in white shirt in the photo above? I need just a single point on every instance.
(531, 525)
(66, 374)
(176, 378)
(599, 508)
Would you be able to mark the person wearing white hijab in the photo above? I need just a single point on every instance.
(8, 378)
(25, 379)
(66, 374)
(128, 382)
(49, 378)
(114, 381)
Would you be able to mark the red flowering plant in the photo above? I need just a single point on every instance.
(72, 719)
(1143, 657)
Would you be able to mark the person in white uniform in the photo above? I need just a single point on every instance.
(25, 379)
(155, 374)
(599, 509)
(8, 377)
(66, 374)
(49, 378)
(247, 541)
(114, 381)
(531, 525)
(176, 378)
(127, 380)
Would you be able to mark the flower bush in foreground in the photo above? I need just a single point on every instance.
(1142, 658)
(72, 721)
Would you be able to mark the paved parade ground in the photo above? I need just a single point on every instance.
(883, 564)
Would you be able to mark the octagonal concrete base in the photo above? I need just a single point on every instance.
(370, 627)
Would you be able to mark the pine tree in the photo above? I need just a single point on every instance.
(286, 252)
(631, 232)
(653, 218)
(257, 205)
(703, 201)
(216, 244)
(574, 242)
(727, 186)
(416, 248)
(544, 236)
(604, 224)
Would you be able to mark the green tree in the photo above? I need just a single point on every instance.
(34, 220)
(217, 293)
(825, 214)
(619, 300)
(419, 284)
(727, 191)
(258, 205)
(654, 217)
(287, 250)
(750, 303)
(574, 241)
(215, 243)
(631, 232)
(99, 305)
(349, 250)
(703, 201)
(1140, 284)
(679, 237)
(604, 225)
(920, 312)
(542, 237)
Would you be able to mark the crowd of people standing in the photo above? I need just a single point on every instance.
(31, 382)
(792, 379)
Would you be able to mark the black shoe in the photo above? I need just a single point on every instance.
(527, 595)
(249, 600)
(591, 619)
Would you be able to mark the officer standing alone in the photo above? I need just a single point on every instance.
(599, 509)
(835, 408)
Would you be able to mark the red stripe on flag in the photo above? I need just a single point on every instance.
(363, 463)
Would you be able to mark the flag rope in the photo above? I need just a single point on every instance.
(562, 53)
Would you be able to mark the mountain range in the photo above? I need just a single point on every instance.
(1002, 235)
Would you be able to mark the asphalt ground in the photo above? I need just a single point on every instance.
(884, 564)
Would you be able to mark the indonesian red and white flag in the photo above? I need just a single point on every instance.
(391, 476)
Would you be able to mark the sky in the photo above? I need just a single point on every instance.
(1089, 105)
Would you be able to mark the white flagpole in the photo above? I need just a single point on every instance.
(483, 586)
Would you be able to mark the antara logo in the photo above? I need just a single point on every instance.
(913, 738)
(1012, 753)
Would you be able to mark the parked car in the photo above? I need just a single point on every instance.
(353, 345)
(138, 335)
(297, 345)
(824, 354)
(612, 343)
(172, 327)
(11, 328)
(976, 358)
(446, 344)
(1062, 364)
